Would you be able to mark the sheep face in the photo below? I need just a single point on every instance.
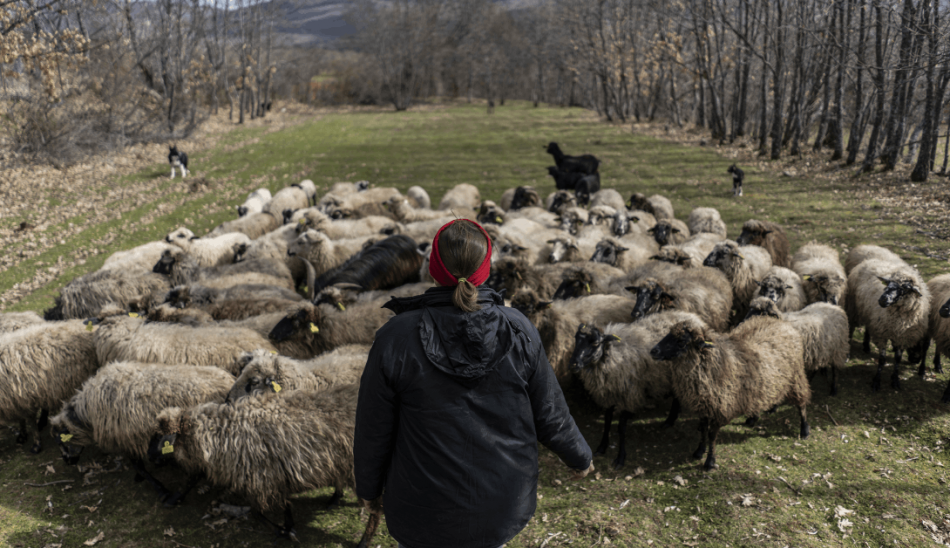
(827, 287)
(161, 447)
(575, 284)
(562, 199)
(589, 346)
(361, 186)
(621, 224)
(304, 243)
(897, 289)
(180, 234)
(651, 298)
(552, 148)
(303, 320)
(662, 231)
(772, 288)
(725, 257)
(490, 214)
(165, 265)
(608, 253)
(681, 339)
(72, 433)
(752, 236)
(562, 249)
(763, 306)
(179, 296)
(525, 196)
(257, 378)
(639, 201)
(945, 310)
(582, 193)
(241, 211)
(506, 272)
(675, 256)
(528, 303)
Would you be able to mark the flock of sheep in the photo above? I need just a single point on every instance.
(237, 355)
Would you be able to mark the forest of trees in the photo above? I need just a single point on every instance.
(865, 80)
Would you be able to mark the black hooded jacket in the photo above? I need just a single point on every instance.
(451, 407)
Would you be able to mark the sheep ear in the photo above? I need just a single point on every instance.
(668, 297)
(676, 231)
(807, 277)
(708, 344)
(552, 241)
(884, 281)
(758, 283)
(632, 288)
(614, 338)
(651, 230)
(635, 219)
(766, 232)
(543, 306)
(573, 246)
(914, 289)
(656, 258)
(623, 249)
(788, 287)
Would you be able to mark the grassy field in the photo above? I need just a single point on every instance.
(871, 474)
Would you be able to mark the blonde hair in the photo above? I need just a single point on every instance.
(462, 248)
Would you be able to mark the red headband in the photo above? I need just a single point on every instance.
(442, 274)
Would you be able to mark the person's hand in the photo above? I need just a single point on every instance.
(374, 506)
(581, 474)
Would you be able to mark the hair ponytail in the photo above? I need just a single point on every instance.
(462, 248)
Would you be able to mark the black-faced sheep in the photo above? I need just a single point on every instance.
(525, 196)
(862, 253)
(255, 202)
(898, 312)
(703, 291)
(667, 232)
(181, 269)
(311, 330)
(122, 338)
(618, 372)
(624, 253)
(116, 409)
(88, 294)
(266, 372)
(823, 278)
(42, 365)
(267, 447)
(692, 252)
(462, 197)
(557, 321)
(783, 287)
(752, 369)
(560, 200)
(706, 219)
(254, 225)
(572, 219)
(587, 187)
(587, 279)
(626, 222)
(824, 331)
(744, 266)
(587, 163)
(768, 236)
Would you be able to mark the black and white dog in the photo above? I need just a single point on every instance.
(737, 176)
(178, 159)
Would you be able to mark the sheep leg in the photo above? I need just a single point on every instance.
(834, 380)
(287, 529)
(605, 440)
(751, 421)
(922, 370)
(701, 450)
(176, 497)
(711, 458)
(937, 367)
(876, 381)
(896, 375)
(622, 431)
(806, 430)
(40, 425)
(674, 414)
(140, 471)
(867, 341)
(334, 501)
(21, 434)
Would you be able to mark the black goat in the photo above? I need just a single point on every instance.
(586, 164)
(386, 264)
(564, 180)
(586, 188)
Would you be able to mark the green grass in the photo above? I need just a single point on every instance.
(883, 458)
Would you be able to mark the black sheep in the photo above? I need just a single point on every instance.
(564, 180)
(586, 188)
(737, 176)
(586, 164)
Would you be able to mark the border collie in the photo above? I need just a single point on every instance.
(737, 176)
(178, 159)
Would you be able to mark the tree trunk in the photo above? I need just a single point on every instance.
(856, 135)
(896, 122)
(777, 89)
(928, 124)
(836, 114)
(871, 155)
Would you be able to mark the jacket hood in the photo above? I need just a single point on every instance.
(465, 345)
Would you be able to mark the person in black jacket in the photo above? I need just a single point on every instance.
(456, 394)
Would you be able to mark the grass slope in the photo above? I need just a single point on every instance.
(878, 455)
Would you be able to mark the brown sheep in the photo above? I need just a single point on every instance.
(769, 236)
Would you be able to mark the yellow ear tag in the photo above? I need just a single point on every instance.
(343, 308)
(65, 437)
(314, 328)
(168, 448)
(276, 386)
(273, 352)
(89, 326)
(587, 286)
(616, 338)
(499, 220)
(304, 289)
(302, 221)
(806, 277)
(133, 315)
(708, 343)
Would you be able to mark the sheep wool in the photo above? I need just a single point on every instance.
(706, 219)
(784, 287)
(266, 372)
(823, 278)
